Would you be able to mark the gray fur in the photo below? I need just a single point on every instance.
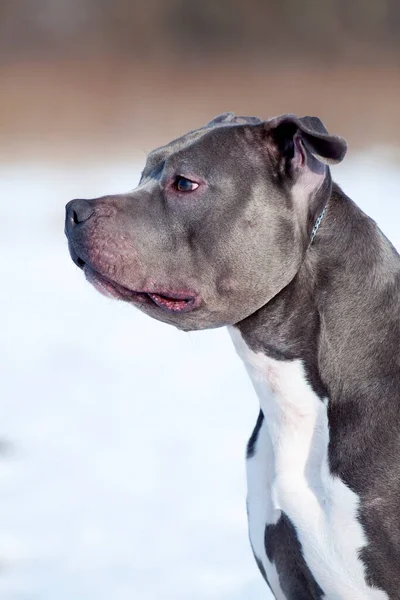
(240, 244)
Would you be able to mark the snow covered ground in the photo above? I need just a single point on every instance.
(122, 473)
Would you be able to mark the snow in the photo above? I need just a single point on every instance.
(122, 470)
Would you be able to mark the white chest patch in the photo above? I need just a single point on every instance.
(289, 473)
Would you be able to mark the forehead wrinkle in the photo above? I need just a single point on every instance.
(218, 142)
(194, 137)
(157, 158)
(173, 155)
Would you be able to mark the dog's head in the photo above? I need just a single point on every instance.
(218, 224)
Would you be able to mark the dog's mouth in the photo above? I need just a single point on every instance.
(169, 301)
(173, 304)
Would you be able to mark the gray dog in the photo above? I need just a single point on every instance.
(238, 223)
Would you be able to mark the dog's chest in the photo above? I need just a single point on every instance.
(298, 512)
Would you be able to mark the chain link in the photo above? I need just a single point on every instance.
(316, 225)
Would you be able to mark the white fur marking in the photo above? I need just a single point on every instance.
(289, 472)
(260, 507)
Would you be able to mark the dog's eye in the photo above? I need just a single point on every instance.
(185, 185)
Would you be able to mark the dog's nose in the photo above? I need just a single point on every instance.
(77, 211)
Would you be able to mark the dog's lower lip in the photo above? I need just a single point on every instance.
(174, 302)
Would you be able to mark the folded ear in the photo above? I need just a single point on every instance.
(292, 134)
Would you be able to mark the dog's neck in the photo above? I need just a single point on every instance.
(340, 317)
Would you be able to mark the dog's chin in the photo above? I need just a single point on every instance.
(168, 302)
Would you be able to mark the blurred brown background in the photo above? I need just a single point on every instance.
(116, 77)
